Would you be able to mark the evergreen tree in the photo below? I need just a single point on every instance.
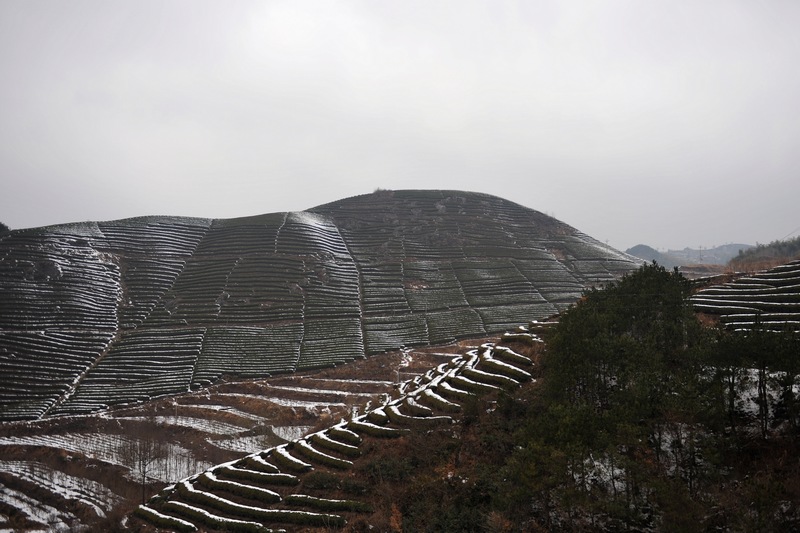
(620, 384)
(625, 347)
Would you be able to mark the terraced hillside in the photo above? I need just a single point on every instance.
(104, 313)
(77, 473)
(289, 486)
(769, 299)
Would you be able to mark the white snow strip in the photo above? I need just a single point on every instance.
(163, 517)
(333, 443)
(449, 388)
(357, 381)
(236, 485)
(225, 409)
(284, 402)
(439, 399)
(303, 404)
(330, 392)
(306, 446)
(246, 509)
(282, 452)
(211, 516)
(266, 467)
(511, 368)
(471, 382)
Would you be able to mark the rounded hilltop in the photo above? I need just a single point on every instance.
(274, 293)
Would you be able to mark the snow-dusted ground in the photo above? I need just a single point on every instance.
(88, 492)
(100, 446)
(200, 497)
(284, 402)
(200, 424)
(289, 433)
(52, 519)
(331, 392)
(226, 409)
(178, 463)
(219, 415)
(246, 445)
(255, 443)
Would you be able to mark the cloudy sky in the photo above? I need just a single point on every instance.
(671, 123)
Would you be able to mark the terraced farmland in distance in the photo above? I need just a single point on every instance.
(106, 313)
(769, 299)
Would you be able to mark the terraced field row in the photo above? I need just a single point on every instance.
(273, 489)
(167, 237)
(39, 367)
(769, 300)
(306, 233)
(255, 235)
(141, 366)
(246, 352)
(144, 282)
(150, 363)
(56, 281)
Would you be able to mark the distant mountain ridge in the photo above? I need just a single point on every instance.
(717, 255)
(101, 313)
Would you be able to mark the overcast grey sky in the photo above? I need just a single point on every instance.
(671, 123)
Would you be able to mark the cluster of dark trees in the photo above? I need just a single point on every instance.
(647, 420)
(642, 419)
(784, 250)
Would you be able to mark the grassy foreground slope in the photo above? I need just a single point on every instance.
(103, 313)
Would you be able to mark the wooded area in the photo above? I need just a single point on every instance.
(642, 420)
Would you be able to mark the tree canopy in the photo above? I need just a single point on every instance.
(776, 251)
(643, 414)
(627, 339)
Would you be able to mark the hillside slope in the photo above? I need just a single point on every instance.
(103, 313)
(78, 472)
(290, 486)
